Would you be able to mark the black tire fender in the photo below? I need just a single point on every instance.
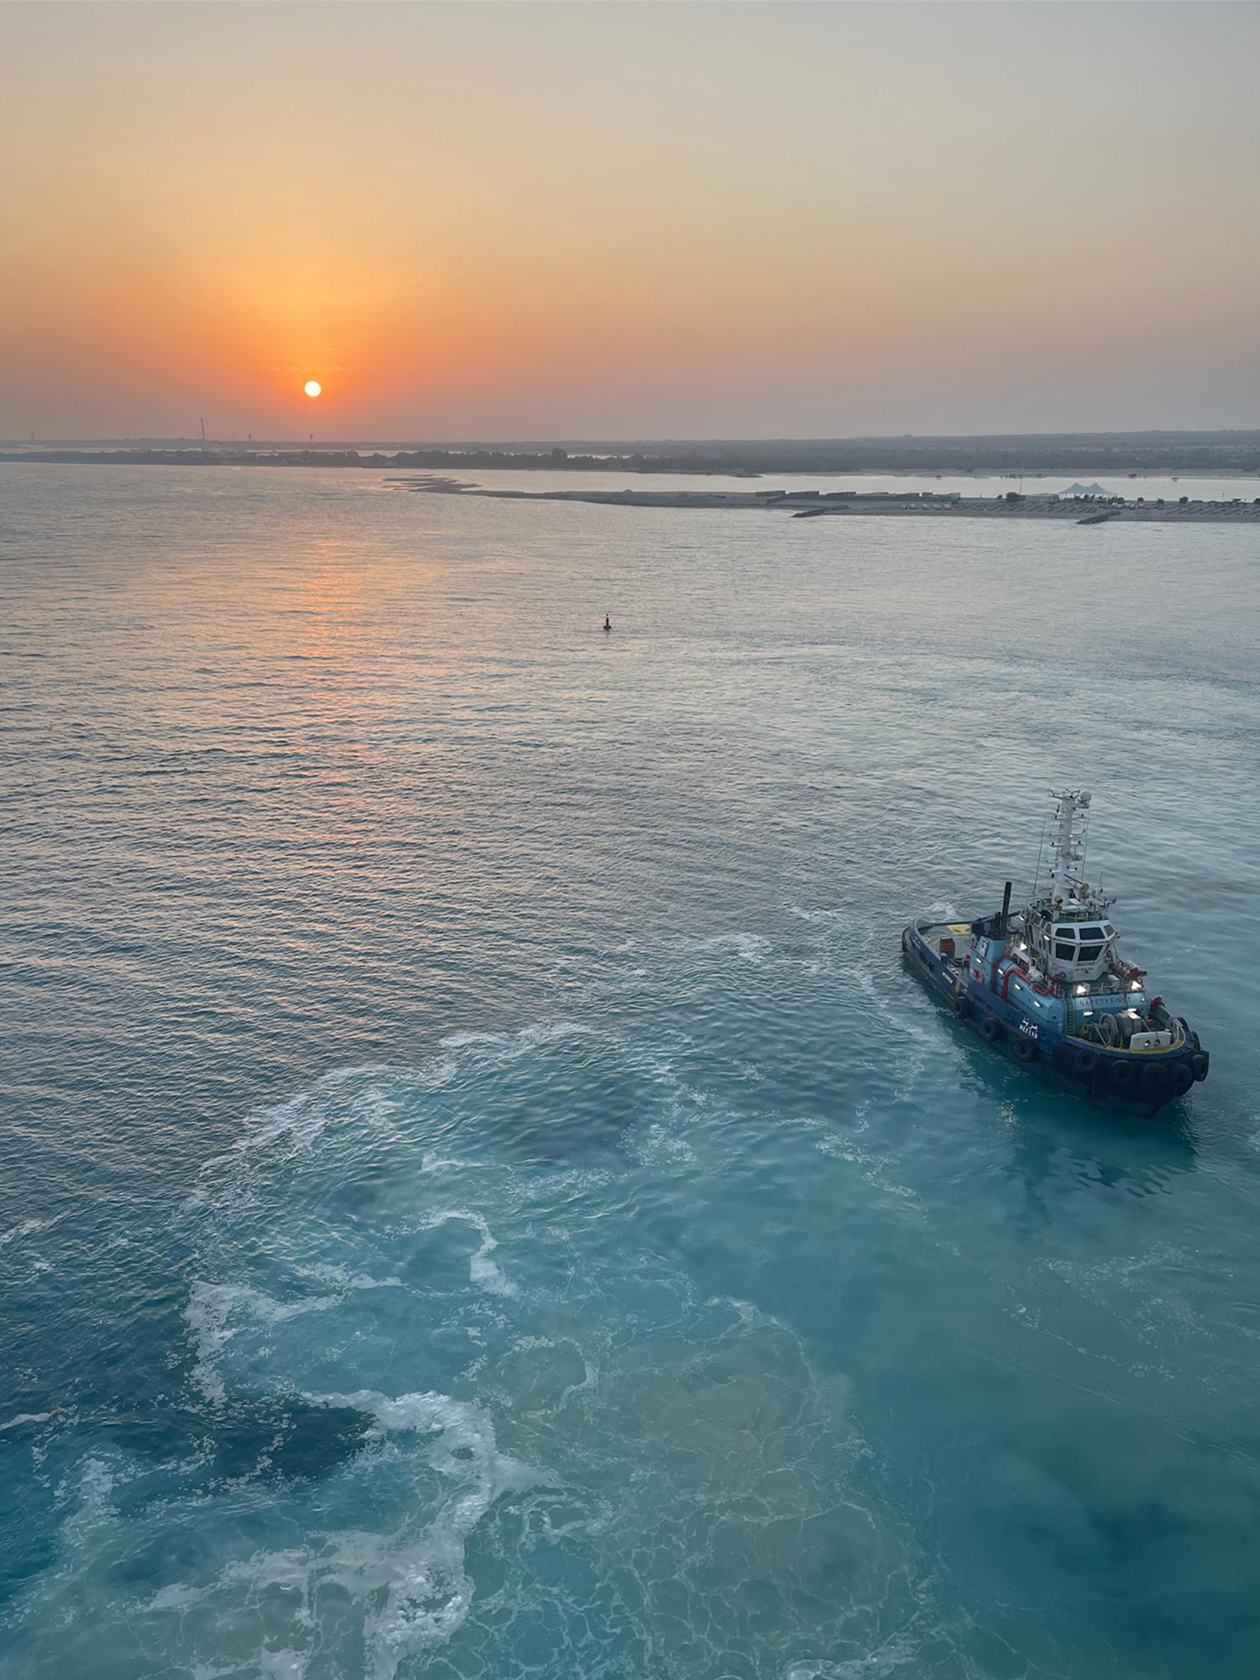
(1180, 1078)
(960, 1007)
(1122, 1075)
(1062, 1058)
(1026, 1050)
(1199, 1064)
(990, 1032)
(1085, 1064)
(1154, 1079)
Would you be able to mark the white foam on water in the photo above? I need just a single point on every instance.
(95, 1491)
(410, 1585)
(661, 1147)
(387, 1532)
(874, 1167)
(920, 1041)
(210, 1308)
(590, 1377)
(901, 1653)
(23, 1230)
(27, 1417)
(481, 1268)
(832, 941)
(281, 1665)
(178, 1596)
(750, 1316)
(517, 1043)
(365, 1577)
(300, 1120)
(293, 1127)
(342, 1278)
(748, 947)
(552, 1032)
(831, 918)
(432, 1162)
(1158, 1309)
(904, 1023)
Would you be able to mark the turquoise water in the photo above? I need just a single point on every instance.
(481, 1196)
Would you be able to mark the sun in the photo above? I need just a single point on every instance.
(312, 387)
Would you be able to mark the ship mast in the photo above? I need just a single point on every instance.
(1067, 843)
(1060, 941)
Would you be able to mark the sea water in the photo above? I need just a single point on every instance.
(481, 1195)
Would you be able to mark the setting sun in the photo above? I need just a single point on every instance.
(312, 387)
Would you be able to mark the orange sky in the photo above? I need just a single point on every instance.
(636, 220)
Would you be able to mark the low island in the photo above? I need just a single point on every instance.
(1085, 506)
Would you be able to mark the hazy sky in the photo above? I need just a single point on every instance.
(536, 220)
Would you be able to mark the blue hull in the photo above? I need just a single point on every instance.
(1113, 1078)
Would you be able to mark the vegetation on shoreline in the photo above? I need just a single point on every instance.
(1204, 453)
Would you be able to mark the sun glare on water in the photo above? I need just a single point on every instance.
(312, 387)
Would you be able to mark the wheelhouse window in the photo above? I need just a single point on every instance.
(1091, 953)
(1065, 953)
(1092, 933)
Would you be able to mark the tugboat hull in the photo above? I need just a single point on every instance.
(1131, 1082)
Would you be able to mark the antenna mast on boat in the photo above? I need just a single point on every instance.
(1068, 845)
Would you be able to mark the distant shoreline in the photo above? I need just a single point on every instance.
(822, 504)
(792, 501)
(1077, 455)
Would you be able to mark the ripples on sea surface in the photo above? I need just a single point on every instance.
(481, 1196)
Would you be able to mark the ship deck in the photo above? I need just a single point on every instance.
(936, 935)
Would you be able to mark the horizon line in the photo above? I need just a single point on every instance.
(33, 441)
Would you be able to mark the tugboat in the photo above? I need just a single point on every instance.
(1047, 986)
